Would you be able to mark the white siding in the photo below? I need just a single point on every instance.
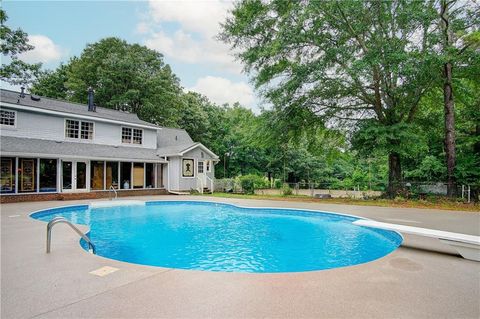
(51, 127)
(184, 183)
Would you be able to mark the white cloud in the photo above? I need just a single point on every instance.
(221, 90)
(45, 50)
(194, 41)
(194, 16)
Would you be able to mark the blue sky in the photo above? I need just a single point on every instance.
(183, 31)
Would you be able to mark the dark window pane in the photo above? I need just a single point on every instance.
(81, 175)
(112, 175)
(48, 175)
(125, 175)
(150, 175)
(67, 170)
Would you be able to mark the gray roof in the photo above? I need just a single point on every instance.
(174, 149)
(69, 107)
(9, 144)
(173, 136)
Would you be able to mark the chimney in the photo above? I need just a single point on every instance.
(91, 104)
(22, 93)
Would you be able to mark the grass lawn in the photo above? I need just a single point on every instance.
(432, 203)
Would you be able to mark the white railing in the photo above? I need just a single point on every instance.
(200, 185)
(210, 181)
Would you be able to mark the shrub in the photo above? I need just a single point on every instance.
(251, 182)
(286, 190)
(277, 184)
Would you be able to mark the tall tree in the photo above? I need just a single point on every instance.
(13, 43)
(127, 77)
(344, 60)
(459, 24)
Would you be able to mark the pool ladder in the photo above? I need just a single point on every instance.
(112, 189)
(57, 220)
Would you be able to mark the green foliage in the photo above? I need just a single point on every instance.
(127, 77)
(13, 43)
(286, 190)
(344, 60)
(251, 182)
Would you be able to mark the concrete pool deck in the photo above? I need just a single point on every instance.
(421, 279)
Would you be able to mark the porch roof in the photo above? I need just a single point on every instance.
(18, 146)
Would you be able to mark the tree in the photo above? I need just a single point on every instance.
(13, 43)
(343, 60)
(460, 36)
(127, 77)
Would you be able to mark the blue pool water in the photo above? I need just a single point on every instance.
(223, 237)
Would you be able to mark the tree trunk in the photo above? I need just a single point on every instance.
(394, 175)
(449, 108)
(449, 104)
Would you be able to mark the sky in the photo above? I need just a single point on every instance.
(183, 31)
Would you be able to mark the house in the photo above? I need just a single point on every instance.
(56, 148)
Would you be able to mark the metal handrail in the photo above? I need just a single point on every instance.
(115, 191)
(57, 220)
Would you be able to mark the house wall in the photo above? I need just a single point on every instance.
(178, 182)
(52, 127)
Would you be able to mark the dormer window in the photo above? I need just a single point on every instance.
(132, 135)
(75, 129)
(7, 118)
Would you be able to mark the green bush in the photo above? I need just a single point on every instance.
(277, 184)
(251, 182)
(286, 190)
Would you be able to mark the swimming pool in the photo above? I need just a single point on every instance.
(224, 237)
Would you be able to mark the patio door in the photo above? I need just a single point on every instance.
(74, 176)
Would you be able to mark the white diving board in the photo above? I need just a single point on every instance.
(468, 246)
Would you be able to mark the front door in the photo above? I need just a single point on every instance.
(74, 176)
(201, 172)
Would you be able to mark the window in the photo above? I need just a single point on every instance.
(200, 167)
(7, 175)
(27, 175)
(87, 131)
(96, 175)
(208, 165)
(71, 128)
(75, 129)
(112, 175)
(187, 168)
(48, 175)
(132, 135)
(126, 135)
(137, 136)
(138, 175)
(149, 175)
(7, 118)
(125, 175)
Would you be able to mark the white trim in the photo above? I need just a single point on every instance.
(79, 138)
(131, 139)
(198, 145)
(80, 116)
(194, 168)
